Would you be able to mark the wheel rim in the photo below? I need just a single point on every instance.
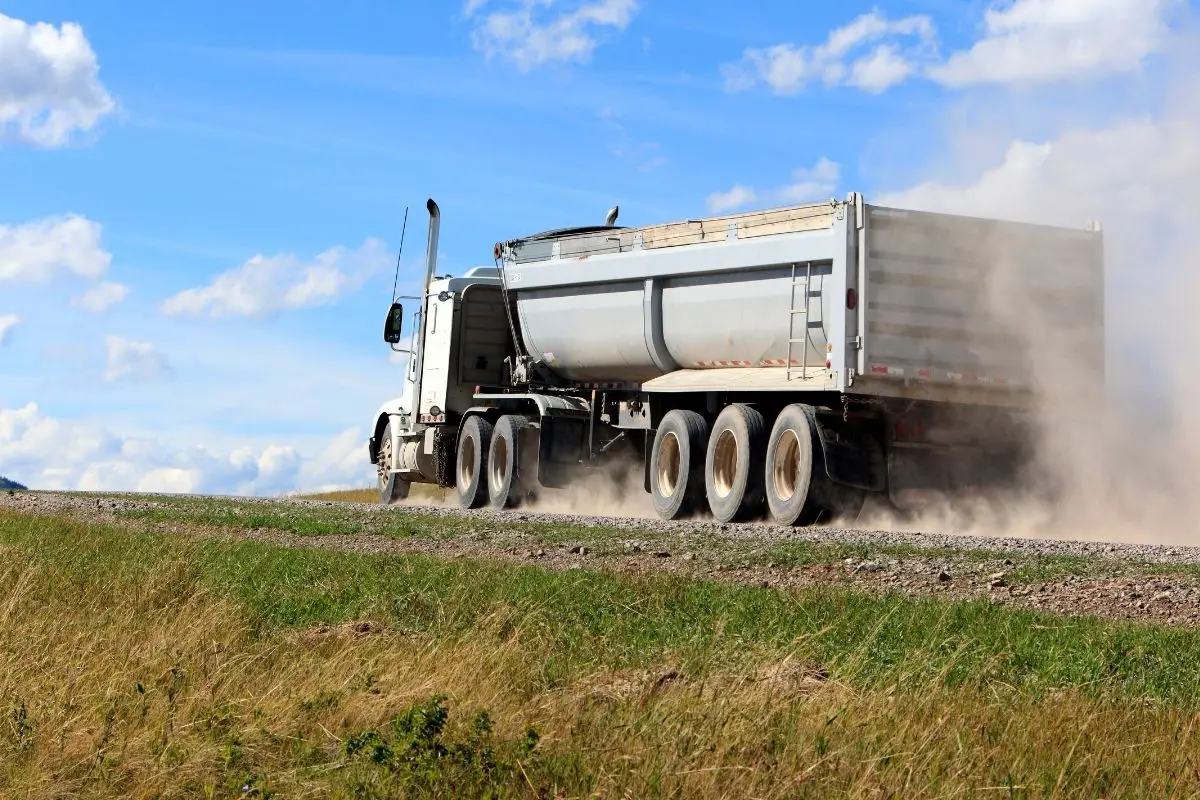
(785, 467)
(384, 462)
(499, 466)
(668, 465)
(725, 462)
(466, 461)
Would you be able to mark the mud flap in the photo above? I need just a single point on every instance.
(854, 454)
(561, 448)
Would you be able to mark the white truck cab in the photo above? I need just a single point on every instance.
(459, 340)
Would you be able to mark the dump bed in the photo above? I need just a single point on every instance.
(837, 296)
(979, 302)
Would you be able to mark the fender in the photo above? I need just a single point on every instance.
(396, 408)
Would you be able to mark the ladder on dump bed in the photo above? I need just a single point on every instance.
(802, 314)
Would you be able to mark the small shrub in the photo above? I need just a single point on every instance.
(422, 756)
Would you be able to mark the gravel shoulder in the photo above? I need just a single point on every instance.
(1151, 583)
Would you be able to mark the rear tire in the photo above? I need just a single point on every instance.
(797, 487)
(470, 470)
(733, 473)
(507, 483)
(392, 487)
(677, 464)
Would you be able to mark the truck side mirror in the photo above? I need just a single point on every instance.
(393, 326)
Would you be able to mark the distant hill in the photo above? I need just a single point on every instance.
(5, 483)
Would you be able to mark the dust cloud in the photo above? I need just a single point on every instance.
(1121, 455)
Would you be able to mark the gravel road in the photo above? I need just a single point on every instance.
(1113, 580)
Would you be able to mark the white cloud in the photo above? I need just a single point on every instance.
(533, 34)
(814, 183)
(42, 250)
(134, 361)
(789, 68)
(265, 286)
(101, 296)
(736, 197)
(1037, 41)
(50, 88)
(809, 184)
(31, 443)
(1022, 42)
(1132, 171)
(7, 323)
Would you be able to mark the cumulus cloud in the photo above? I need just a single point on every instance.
(808, 184)
(267, 285)
(7, 323)
(46, 249)
(871, 53)
(50, 88)
(1036, 41)
(134, 361)
(1021, 42)
(31, 443)
(1132, 170)
(534, 33)
(100, 297)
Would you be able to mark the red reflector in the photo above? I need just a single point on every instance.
(828, 363)
(878, 370)
(851, 299)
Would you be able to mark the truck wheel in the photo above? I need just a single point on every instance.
(677, 464)
(506, 481)
(392, 487)
(797, 487)
(733, 476)
(470, 471)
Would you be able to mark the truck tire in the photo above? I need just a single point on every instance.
(470, 470)
(798, 489)
(733, 475)
(677, 464)
(507, 483)
(392, 487)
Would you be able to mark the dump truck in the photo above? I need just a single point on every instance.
(786, 363)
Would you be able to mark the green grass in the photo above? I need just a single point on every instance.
(582, 620)
(146, 664)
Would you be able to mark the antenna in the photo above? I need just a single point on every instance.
(403, 229)
(610, 218)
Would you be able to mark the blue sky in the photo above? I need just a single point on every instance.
(198, 139)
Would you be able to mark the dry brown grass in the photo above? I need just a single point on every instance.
(133, 679)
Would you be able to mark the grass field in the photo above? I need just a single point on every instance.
(153, 665)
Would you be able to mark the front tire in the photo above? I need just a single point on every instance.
(470, 471)
(733, 475)
(677, 464)
(392, 487)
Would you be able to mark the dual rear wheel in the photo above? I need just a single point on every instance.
(741, 468)
(495, 462)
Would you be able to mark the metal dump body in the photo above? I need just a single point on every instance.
(837, 296)
(961, 301)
